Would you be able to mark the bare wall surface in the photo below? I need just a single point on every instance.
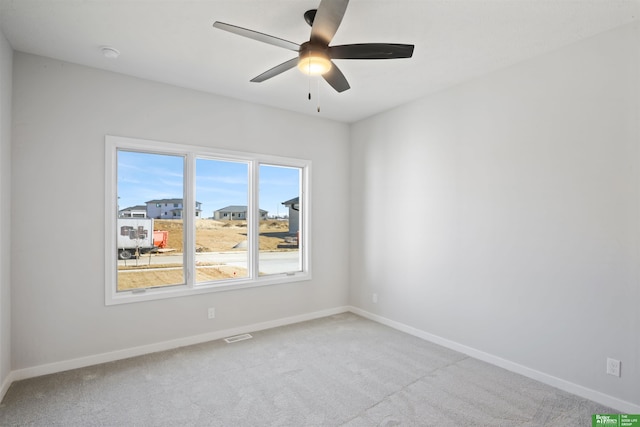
(6, 61)
(62, 112)
(503, 214)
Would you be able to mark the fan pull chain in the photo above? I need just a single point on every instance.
(318, 88)
(309, 74)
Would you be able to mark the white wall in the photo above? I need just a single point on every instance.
(517, 198)
(6, 65)
(61, 114)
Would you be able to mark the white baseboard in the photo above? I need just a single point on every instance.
(587, 393)
(5, 385)
(82, 362)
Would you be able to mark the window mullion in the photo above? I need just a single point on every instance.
(254, 219)
(188, 220)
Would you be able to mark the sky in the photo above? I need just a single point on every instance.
(145, 176)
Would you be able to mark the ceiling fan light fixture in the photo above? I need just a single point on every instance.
(313, 61)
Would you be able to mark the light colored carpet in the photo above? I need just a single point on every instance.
(341, 370)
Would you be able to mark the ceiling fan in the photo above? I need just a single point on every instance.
(315, 57)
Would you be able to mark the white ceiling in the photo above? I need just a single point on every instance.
(173, 41)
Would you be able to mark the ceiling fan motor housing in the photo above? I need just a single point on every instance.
(310, 16)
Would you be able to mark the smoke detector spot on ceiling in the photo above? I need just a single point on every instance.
(110, 52)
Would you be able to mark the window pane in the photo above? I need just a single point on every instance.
(222, 192)
(280, 220)
(149, 225)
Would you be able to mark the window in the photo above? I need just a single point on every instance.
(252, 233)
(277, 181)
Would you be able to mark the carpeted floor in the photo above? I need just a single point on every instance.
(341, 370)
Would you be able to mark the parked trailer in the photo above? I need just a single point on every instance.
(135, 237)
(160, 238)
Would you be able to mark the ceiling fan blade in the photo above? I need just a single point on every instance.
(261, 37)
(327, 21)
(371, 51)
(336, 79)
(278, 69)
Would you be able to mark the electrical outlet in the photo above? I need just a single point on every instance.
(613, 367)
(374, 298)
(211, 313)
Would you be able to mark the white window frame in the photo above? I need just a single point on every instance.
(190, 153)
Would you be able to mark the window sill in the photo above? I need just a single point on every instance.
(152, 294)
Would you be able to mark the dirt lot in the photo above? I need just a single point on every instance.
(220, 236)
(211, 236)
(146, 277)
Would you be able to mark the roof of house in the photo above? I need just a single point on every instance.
(168, 201)
(293, 201)
(135, 208)
(236, 208)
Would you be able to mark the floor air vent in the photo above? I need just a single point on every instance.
(238, 338)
